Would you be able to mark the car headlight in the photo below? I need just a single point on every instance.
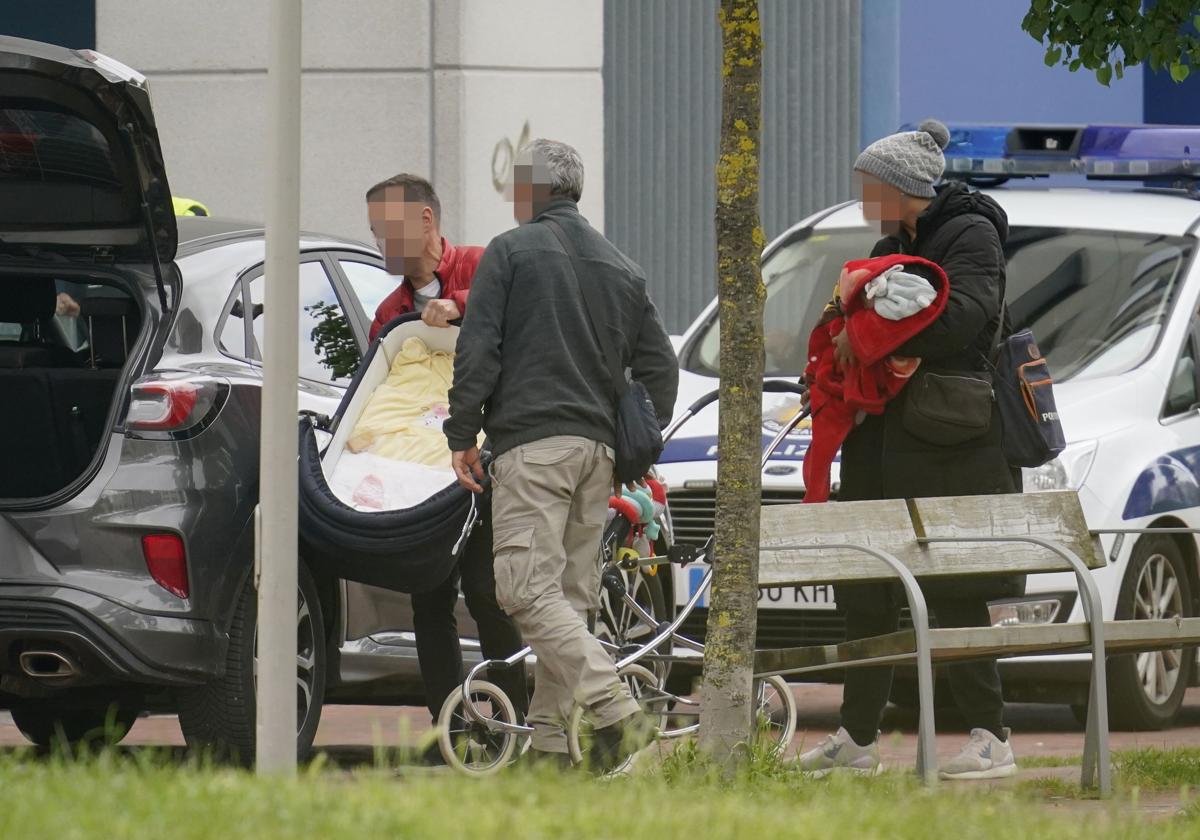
(1012, 613)
(1066, 472)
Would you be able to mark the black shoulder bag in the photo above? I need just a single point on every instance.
(638, 436)
(1033, 434)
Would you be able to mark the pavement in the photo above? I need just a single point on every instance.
(350, 734)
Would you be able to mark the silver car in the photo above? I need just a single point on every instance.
(130, 375)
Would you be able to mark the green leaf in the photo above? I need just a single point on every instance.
(1053, 56)
(1179, 71)
(1079, 11)
(1196, 21)
(1075, 64)
(1120, 68)
(1104, 74)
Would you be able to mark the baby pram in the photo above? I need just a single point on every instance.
(379, 504)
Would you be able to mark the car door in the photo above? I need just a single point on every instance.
(370, 611)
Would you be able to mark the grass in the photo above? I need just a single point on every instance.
(149, 795)
(1033, 762)
(1152, 769)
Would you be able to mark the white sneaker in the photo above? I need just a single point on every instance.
(984, 757)
(840, 752)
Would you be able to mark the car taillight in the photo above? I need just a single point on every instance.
(172, 402)
(167, 562)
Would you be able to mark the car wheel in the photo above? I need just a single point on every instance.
(44, 722)
(219, 717)
(1145, 690)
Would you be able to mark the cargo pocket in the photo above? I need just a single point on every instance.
(515, 568)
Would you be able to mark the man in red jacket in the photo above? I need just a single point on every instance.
(406, 219)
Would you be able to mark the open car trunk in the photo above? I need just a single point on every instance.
(65, 341)
(85, 217)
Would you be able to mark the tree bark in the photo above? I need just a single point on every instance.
(727, 691)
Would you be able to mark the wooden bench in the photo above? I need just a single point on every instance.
(925, 539)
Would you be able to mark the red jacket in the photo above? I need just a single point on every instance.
(454, 272)
(837, 396)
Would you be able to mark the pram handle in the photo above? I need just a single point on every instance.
(770, 386)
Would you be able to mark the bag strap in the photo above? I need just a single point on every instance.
(590, 305)
(1000, 325)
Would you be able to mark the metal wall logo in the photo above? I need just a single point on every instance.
(504, 154)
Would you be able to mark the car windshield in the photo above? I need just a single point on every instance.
(1096, 300)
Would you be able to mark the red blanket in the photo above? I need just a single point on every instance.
(838, 396)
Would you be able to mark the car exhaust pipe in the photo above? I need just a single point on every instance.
(47, 665)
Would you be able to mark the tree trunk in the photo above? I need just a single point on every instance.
(726, 692)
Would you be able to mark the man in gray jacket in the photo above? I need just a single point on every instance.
(531, 371)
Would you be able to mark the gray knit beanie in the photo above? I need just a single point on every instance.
(911, 161)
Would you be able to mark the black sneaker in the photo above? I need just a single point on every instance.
(432, 756)
(544, 760)
(615, 744)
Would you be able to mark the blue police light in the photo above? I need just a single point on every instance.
(979, 149)
(997, 152)
(1140, 152)
(994, 153)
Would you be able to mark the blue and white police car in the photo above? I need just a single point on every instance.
(1106, 276)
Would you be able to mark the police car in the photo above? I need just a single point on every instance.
(1105, 274)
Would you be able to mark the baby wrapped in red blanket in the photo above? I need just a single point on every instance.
(884, 302)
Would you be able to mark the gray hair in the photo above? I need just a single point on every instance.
(555, 164)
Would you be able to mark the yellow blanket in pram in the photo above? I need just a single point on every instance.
(403, 417)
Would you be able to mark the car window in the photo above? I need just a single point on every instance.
(370, 283)
(328, 352)
(1182, 393)
(1096, 300)
(800, 278)
(232, 338)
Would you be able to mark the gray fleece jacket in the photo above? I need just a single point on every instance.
(528, 365)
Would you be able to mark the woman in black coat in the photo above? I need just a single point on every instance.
(898, 455)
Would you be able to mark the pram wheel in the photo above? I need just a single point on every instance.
(646, 690)
(471, 747)
(775, 717)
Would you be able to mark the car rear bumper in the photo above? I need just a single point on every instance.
(110, 643)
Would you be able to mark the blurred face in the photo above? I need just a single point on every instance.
(402, 230)
(882, 204)
(530, 187)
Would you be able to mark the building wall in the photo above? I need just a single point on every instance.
(428, 86)
(662, 121)
(971, 62)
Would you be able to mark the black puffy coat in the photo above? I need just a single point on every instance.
(964, 232)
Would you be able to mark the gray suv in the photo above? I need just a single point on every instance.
(130, 375)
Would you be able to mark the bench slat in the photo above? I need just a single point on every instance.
(959, 644)
(889, 526)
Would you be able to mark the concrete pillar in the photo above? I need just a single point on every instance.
(504, 73)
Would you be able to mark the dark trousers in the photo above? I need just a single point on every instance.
(974, 685)
(438, 650)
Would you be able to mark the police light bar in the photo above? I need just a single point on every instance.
(1140, 152)
(993, 151)
(1100, 152)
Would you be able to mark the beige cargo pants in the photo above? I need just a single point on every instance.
(549, 502)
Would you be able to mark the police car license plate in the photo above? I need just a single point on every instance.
(818, 597)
